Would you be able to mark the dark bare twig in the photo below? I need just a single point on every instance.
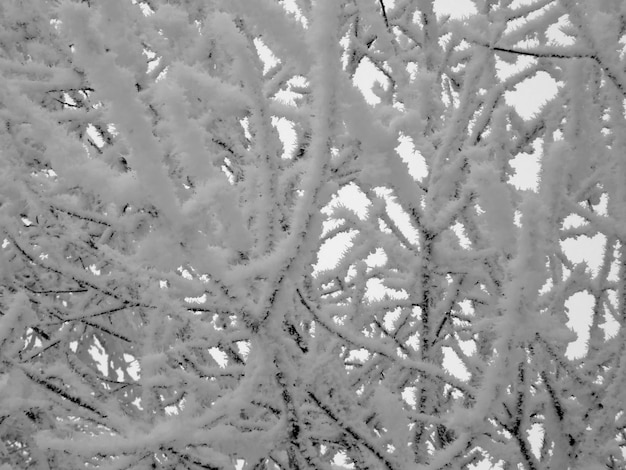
(384, 11)
(351, 431)
(549, 55)
(63, 393)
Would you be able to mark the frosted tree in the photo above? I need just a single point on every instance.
(173, 172)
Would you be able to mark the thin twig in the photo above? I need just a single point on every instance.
(384, 10)
(549, 55)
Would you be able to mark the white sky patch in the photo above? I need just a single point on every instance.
(585, 249)
(556, 35)
(408, 395)
(286, 134)
(366, 78)
(453, 364)
(454, 8)
(267, 56)
(352, 197)
(375, 290)
(603, 206)
(611, 326)
(341, 462)
(579, 308)
(527, 167)
(133, 369)
(197, 300)
(390, 318)
(484, 465)
(185, 273)
(506, 69)
(535, 437)
(99, 355)
(378, 258)
(573, 221)
(530, 95)
(286, 97)
(292, 7)
(526, 172)
(398, 215)
(329, 252)
(243, 348)
(459, 230)
(219, 356)
(414, 160)
(246, 128)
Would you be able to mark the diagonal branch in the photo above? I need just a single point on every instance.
(353, 433)
(384, 11)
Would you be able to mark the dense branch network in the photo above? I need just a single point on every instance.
(174, 174)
